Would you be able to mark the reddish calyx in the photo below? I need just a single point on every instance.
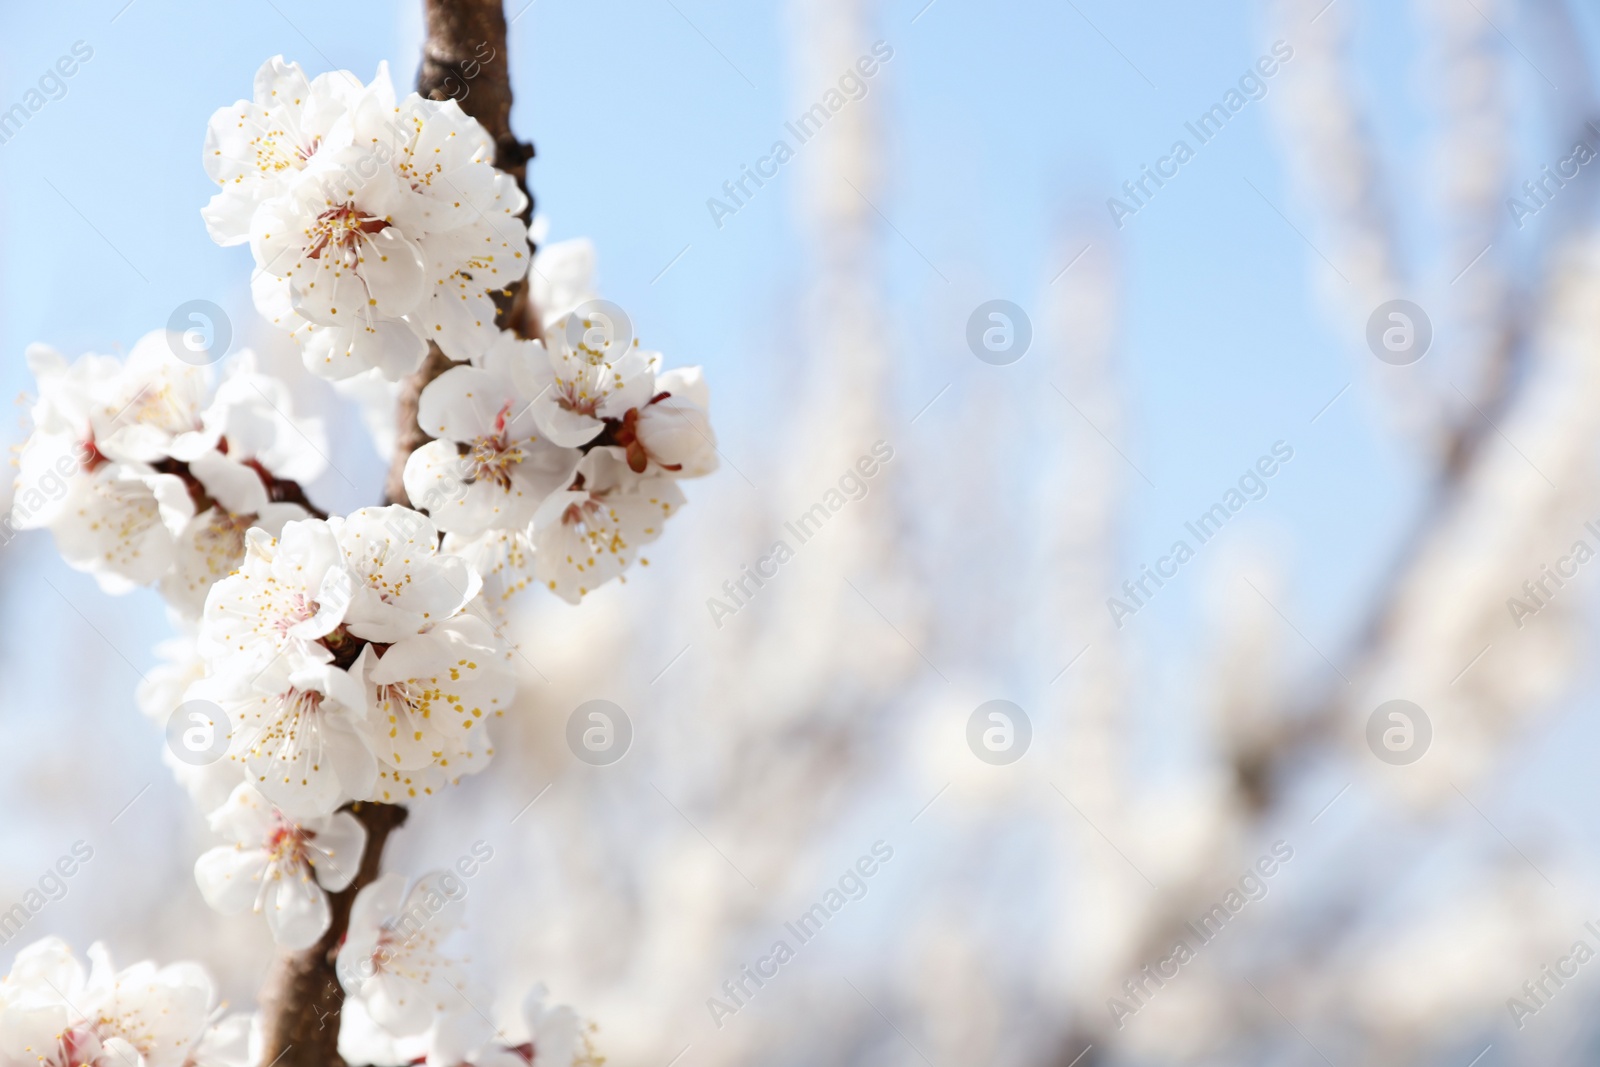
(624, 433)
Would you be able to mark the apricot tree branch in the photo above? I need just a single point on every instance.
(464, 58)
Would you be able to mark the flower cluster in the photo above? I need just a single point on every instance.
(377, 225)
(555, 464)
(344, 658)
(144, 482)
(407, 1000)
(53, 1013)
(325, 662)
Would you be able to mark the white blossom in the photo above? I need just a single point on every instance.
(232, 1041)
(251, 419)
(344, 657)
(403, 585)
(555, 1037)
(674, 428)
(586, 536)
(279, 865)
(474, 241)
(561, 277)
(392, 960)
(288, 594)
(254, 148)
(502, 558)
(488, 467)
(595, 371)
(333, 237)
(142, 481)
(210, 544)
(457, 1036)
(431, 697)
(377, 225)
(138, 410)
(299, 732)
(117, 524)
(559, 1038)
(85, 473)
(57, 1015)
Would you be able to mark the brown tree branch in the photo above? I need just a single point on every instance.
(464, 58)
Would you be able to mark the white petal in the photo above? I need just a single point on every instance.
(297, 911)
(227, 215)
(557, 1039)
(461, 404)
(231, 484)
(435, 481)
(329, 287)
(230, 877)
(686, 382)
(246, 817)
(391, 266)
(336, 850)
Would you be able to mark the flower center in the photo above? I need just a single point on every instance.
(276, 153)
(286, 843)
(492, 457)
(80, 1046)
(226, 532)
(342, 228)
(574, 396)
(300, 608)
(578, 514)
(93, 458)
(156, 404)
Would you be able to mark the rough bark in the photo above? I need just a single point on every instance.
(301, 998)
(464, 58)
(409, 436)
